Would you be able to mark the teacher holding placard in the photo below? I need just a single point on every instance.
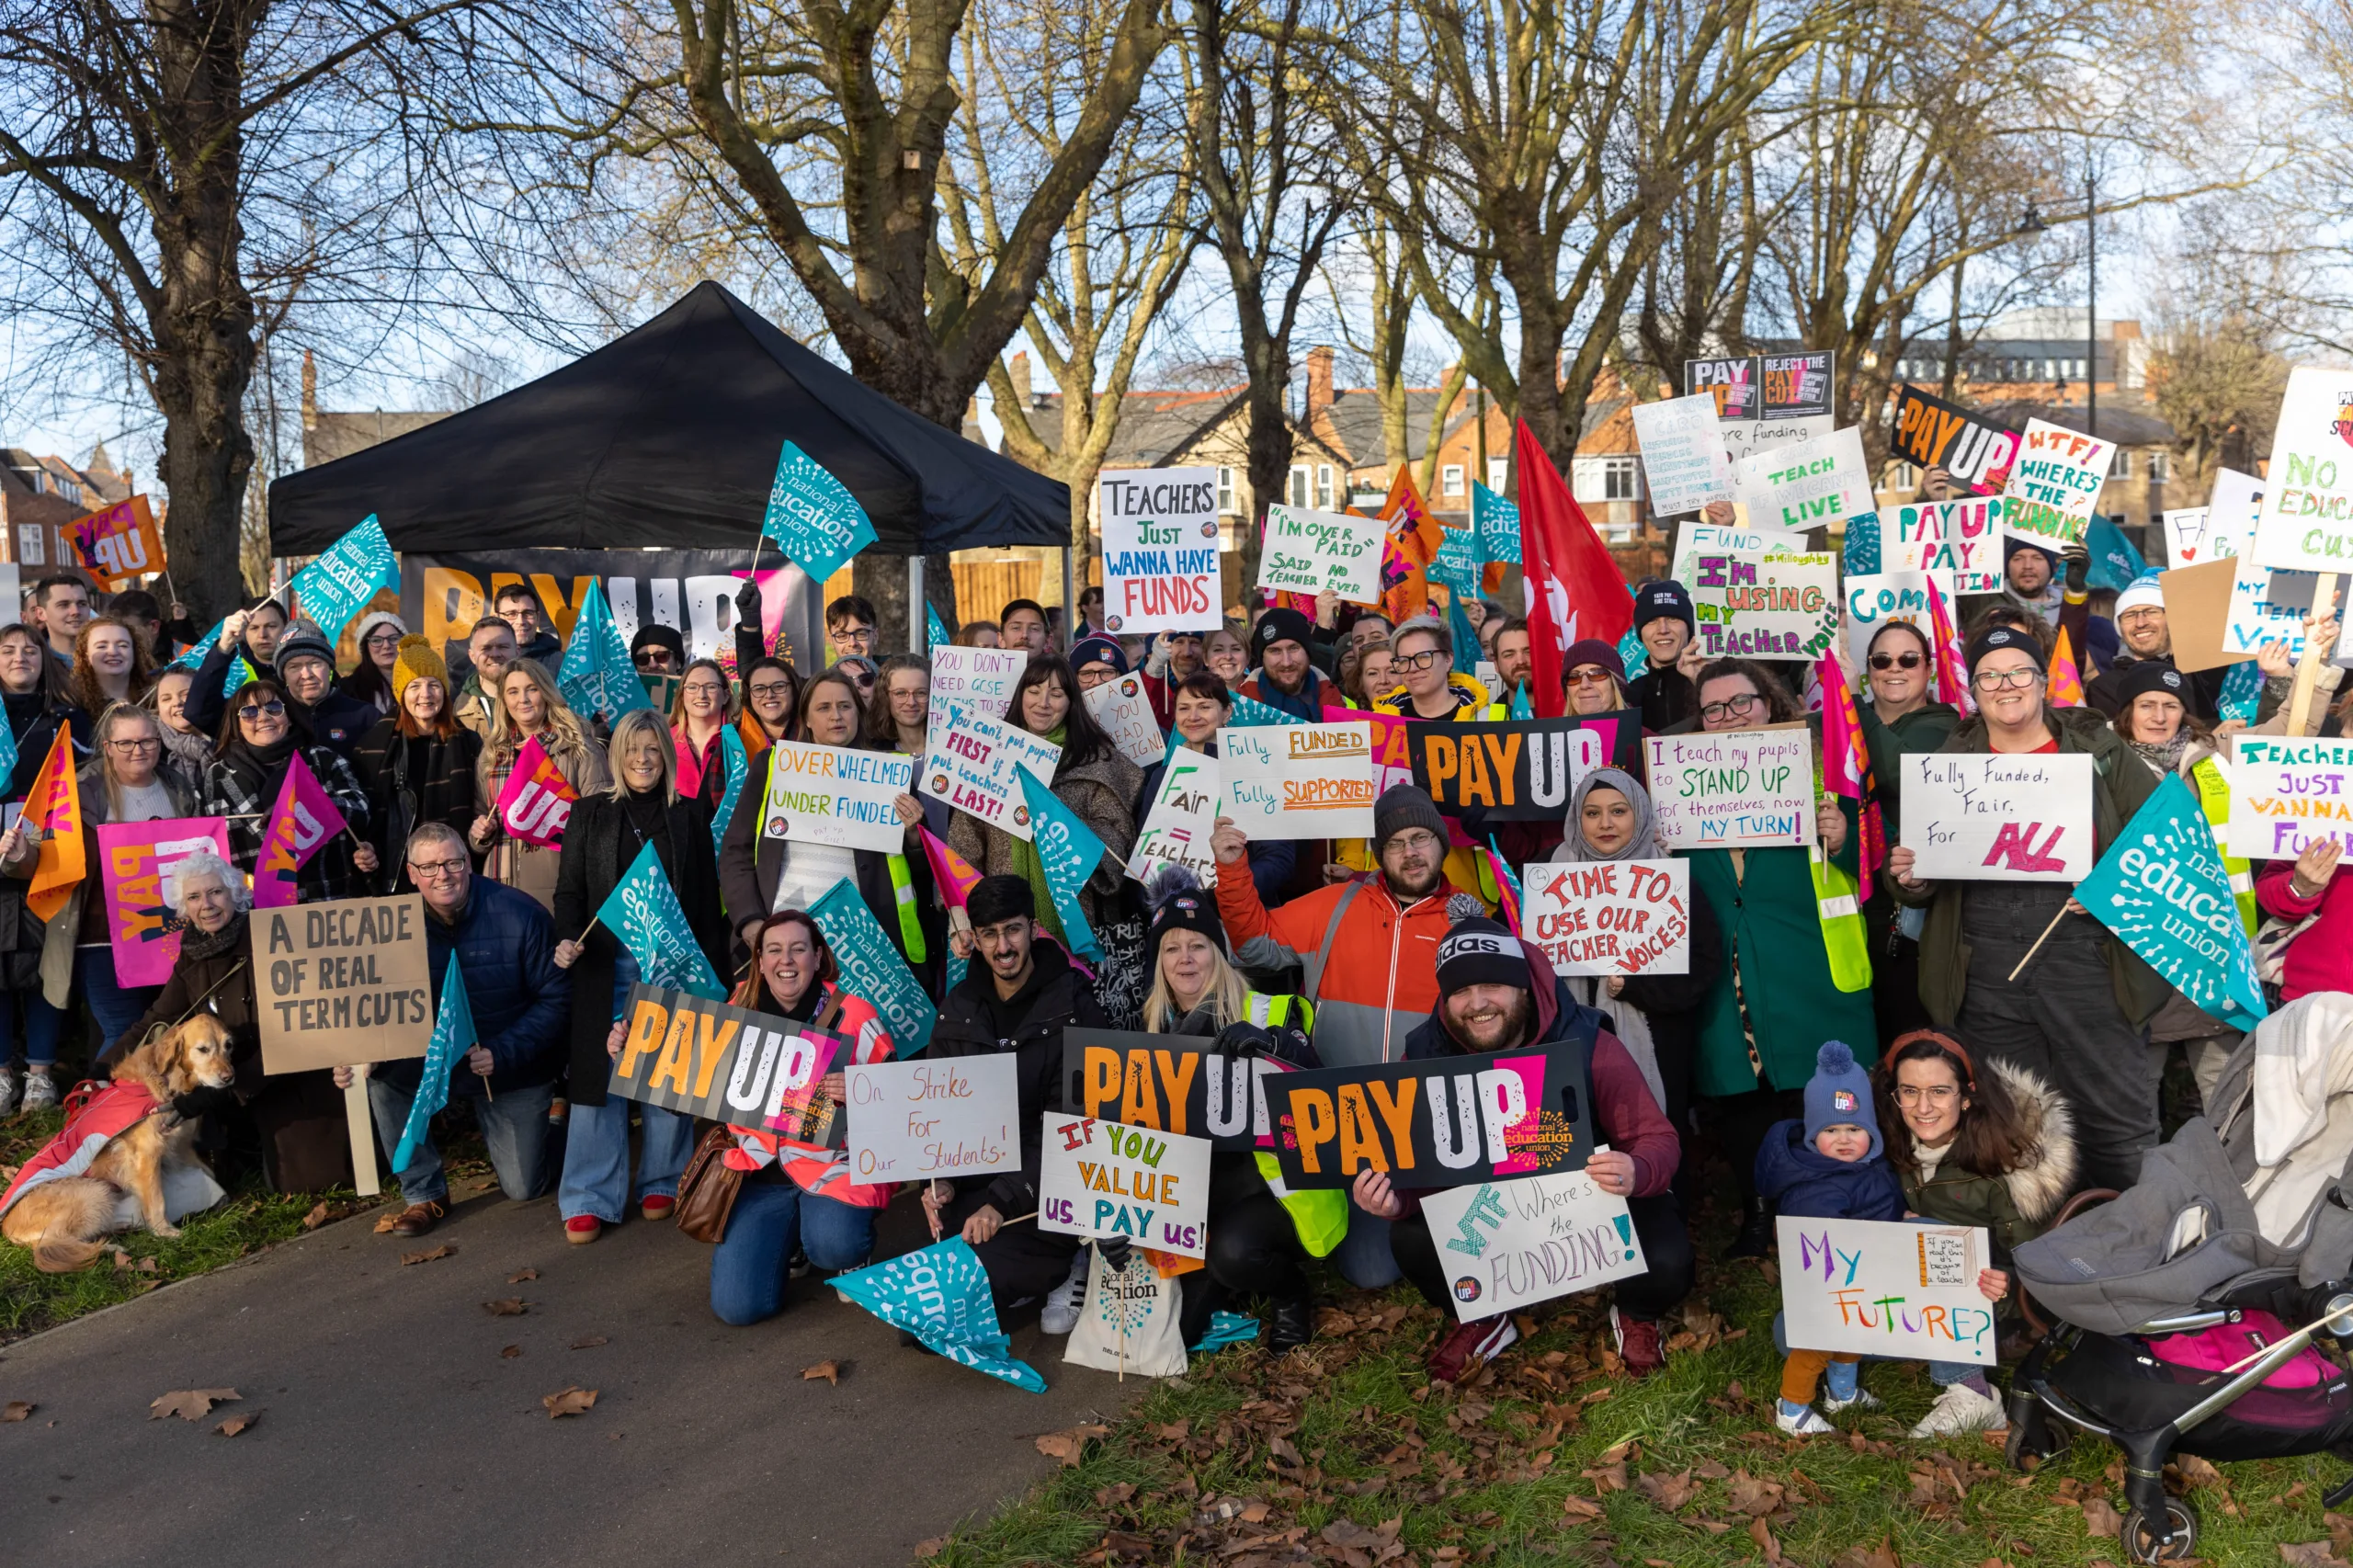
(2015, 968)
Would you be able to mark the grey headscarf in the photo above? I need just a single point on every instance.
(1642, 845)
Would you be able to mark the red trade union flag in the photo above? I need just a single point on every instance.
(299, 824)
(1574, 589)
(537, 802)
(54, 806)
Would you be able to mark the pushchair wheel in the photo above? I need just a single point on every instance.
(2144, 1539)
(2033, 1434)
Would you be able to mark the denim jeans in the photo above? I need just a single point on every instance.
(1944, 1374)
(1363, 1257)
(42, 1026)
(747, 1266)
(514, 1130)
(596, 1157)
(116, 1006)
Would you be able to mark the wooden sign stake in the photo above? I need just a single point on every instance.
(363, 1134)
(2300, 696)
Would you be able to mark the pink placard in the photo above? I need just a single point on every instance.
(137, 861)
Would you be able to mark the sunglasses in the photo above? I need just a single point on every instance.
(1895, 661)
(252, 710)
(653, 659)
(1588, 675)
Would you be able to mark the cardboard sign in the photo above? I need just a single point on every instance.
(116, 545)
(1160, 567)
(1508, 1243)
(1886, 1287)
(139, 878)
(971, 766)
(1516, 770)
(1999, 817)
(1182, 816)
(1306, 552)
(1693, 539)
(1963, 537)
(536, 803)
(1772, 606)
(1170, 1084)
(1936, 434)
(1887, 599)
(1610, 916)
(706, 1059)
(1123, 709)
(2287, 795)
(915, 1120)
(1732, 789)
(1098, 1179)
(1765, 401)
(2306, 522)
(2187, 537)
(2198, 606)
(2054, 485)
(1683, 455)
(1435, 1123)
(342, 983)
(1809, 486)
(1298, 780)
(833, 795)
(978, 680)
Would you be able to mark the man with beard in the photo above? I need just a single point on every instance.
(1497, 992)
(1284, 679)
(2140, 625)
(1387, 926)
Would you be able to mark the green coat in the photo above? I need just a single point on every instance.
(1774, 932)
(2015, 1207)
(1922, 730)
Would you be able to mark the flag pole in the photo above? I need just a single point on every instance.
(2037, 943)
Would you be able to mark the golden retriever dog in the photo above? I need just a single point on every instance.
(59, 1221)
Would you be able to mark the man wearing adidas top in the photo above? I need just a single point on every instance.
(1497, 992)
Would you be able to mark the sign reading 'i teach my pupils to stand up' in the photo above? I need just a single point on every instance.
(1734, 789)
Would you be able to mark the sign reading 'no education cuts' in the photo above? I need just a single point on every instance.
(342, 983)
(1522, 770)
(1437, 1123)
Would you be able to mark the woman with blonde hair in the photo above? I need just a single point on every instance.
(528, 707)
(111, 665)
(641, 809)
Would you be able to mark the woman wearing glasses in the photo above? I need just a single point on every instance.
(418, 764)
(2076, 1015)
(1766, 1016)
(32, 687)
(526, 707)
(260, 737)
(380, 634)
(698, 722)
(771, 704)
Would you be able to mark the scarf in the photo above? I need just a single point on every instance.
(1029, 868)
(1642, 845)
(650, 815)
(2164, 756)
(197, 944)
(260, 770)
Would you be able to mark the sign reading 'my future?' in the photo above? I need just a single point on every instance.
(1160, 566)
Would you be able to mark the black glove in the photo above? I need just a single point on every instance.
(2079, 567)
(1474, 821)
(747, 601)
(1113, 1250)
(202, 1101)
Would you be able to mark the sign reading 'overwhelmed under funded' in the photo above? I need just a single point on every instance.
(341, 984)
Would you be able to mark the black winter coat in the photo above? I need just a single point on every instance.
(413, 779)
(974, 1022)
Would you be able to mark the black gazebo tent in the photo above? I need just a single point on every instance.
(668, 436)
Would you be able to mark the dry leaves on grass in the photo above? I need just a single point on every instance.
(1347, 1535)
(2100, 1518)
(508, 1353)
(2311, 1554)
(574, 1400)
(1580, 1510)
(1667, 1491)
(190, 1404)
(508, 1307)
(1881, 1556)
(1070, 1445)
(1767, 1542)
(1754, 1495)
(428, 1256)
(521, 1274)
(589, 1342)
(829, 1370)
(16, 1410)
(235, 1424)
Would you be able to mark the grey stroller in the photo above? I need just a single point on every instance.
(2193, 1307)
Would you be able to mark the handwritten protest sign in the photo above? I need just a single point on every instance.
(535, 805)
(1298, 780)
(1693, 540)
(1936, 434)
(1160, 567)
(1611, 916)
(1433, 1123)
(2187, 537)
(1182, 816)
(2306, 521)
(1765, 401)
(342, 982)
(1880, 1287)
(2003, 817)
(1507, 1244)
(978, 680)
(138, 875)
(1392, 758)
(1809, 485)
(971, 766)
(2056, 482)
(1516, 770)
(1890, 599)
(1169, 1083)
(1098, 1179)
(913, 1120)
(2269, 606)
(833, 795)
(1739, 788)
(1963, 537)
(1122, 710)
(1773, 606)
(1306, 552)
(1683, 454)
(2287, 795)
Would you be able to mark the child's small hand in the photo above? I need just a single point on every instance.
(1993, 1284)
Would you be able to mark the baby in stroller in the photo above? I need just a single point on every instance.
(2190, 1305)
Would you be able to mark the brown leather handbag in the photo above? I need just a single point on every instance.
(707, 1191)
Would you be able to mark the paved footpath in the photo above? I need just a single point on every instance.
(392, 1430)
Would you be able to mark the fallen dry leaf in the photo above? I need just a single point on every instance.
(2197, 1472)
(444, 1250)
(190, 1404)
(16, 1410)
(1070, 1445)
(1667, 1491)
(149, 1266)
(829, 1370)
(1347, 1533)
(235, 1424)
(1753, 1495)
(1584, 1510)
(384, 1225)
(517, 1279)
(589, 1342)
(510, 1352)
(574, 1400)
(1177, 1431)
(1606, 1478)
(509, 1307)
(1762, 1534)
(928, 1550)
(2311, 1554)
(1711, 1471)
(2101, 1519)
(316, 1217)
(1880, 1556)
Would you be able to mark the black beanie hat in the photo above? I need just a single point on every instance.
(2143, 676)
(1281, 624)
(1663, 600)
(1995, 638)
(997, 899)
(1177, 904)
(654, 634)
(1480, 951)
(1401, 806)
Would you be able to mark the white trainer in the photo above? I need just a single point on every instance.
(1802, 1420)
(40, 1092)
(1963, 1409)
(1864, 1399)
(1065, 1300)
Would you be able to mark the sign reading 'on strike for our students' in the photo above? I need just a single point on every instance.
(342, 983)
(1160, 568)
(913, 1120)
(1999, 818)
(1732, 789)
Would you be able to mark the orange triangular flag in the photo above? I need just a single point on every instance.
(54, 806)
(1413, 539)
(2066, 683)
